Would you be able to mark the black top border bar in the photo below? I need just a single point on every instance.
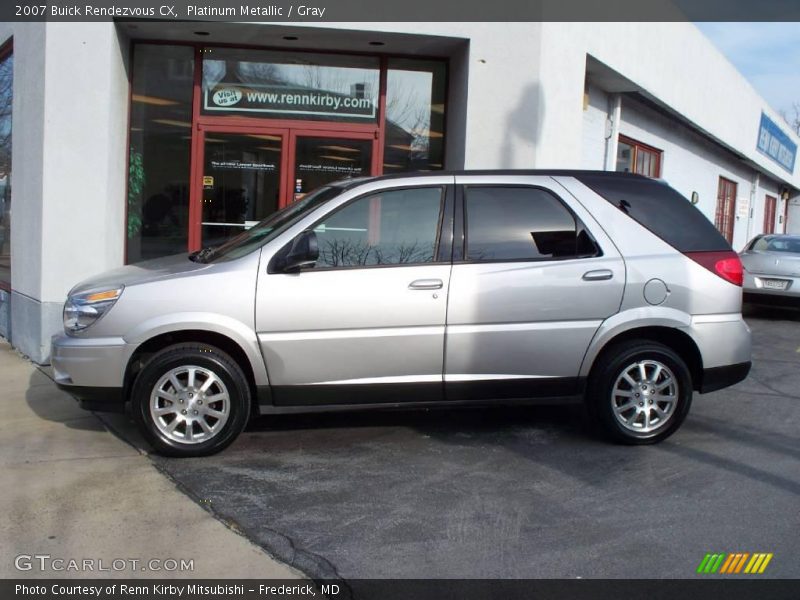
(330, 11)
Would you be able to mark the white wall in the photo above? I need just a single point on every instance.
(595, 125)
(68, 168)
(86, 111)
(793, 221)
(690, 163)
(503, 99)
(673, 62)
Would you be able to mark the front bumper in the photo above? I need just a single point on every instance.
(92, 370)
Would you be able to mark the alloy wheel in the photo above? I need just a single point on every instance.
(644, 396)
(190, 404)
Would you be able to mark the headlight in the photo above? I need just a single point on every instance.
(82, 310)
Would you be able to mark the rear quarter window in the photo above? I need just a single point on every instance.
(659, 208)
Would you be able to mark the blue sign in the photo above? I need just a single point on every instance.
(776, 144)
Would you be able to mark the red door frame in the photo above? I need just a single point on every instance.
(197, 167)
(725, 217)
(290, 129)
(287, 164)
(770, 211)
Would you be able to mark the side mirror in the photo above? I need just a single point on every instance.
(304, 252)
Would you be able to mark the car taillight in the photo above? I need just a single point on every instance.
(726, 264)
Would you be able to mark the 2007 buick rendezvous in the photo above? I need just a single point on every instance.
(432, 289)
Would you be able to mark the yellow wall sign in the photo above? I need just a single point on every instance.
(208, 181)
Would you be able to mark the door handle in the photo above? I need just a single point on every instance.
(599, 275)
(426, 284)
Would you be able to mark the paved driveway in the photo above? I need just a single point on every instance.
(523, 492)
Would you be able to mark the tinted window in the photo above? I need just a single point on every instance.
(517, 223)
(777, 244)
(160, 148)
(660, 209)
(388, 228)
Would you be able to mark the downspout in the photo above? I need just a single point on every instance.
(751, 211)
(612, 131)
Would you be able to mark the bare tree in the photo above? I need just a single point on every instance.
(792, 117)
(6, 82)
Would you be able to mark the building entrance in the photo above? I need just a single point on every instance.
(244, 175)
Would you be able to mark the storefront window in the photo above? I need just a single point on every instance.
(6, 96)
(415, 113)
(290, 85)
(271, 126)
(160, 147)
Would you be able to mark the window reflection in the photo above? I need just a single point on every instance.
(322, 160)
(290, 85)
(521, 223)
(6, 97)
(160, 145)
(415, 112)
(241, 183)
(391, 228)
(635, 157)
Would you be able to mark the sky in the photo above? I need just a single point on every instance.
(767, 54)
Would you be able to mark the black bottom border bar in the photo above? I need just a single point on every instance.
(732, 588)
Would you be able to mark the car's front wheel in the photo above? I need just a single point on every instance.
(190, 400)
(640, 391)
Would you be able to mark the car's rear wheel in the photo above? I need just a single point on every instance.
(191, 400)
(640, 392)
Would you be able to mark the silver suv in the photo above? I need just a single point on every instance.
(437, 289)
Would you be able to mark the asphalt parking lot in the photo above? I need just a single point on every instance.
(522, 492)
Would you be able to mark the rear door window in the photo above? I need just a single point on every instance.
(522, 223)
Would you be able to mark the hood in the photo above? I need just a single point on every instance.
(143, 272)
(772, 263)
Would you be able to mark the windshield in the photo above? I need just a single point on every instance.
(268, 229)
(777, 244)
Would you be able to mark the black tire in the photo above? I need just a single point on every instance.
(209, 359)
(610, 367)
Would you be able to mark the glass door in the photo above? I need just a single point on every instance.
(242, 181)
(323, 157)
(243, 175)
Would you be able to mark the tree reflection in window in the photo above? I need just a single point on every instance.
(6, 98)
(391, 228)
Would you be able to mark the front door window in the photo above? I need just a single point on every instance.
(389, 228)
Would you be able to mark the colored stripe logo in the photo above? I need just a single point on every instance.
(734, 563)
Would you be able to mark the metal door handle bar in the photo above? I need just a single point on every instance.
(600, 275)
(426, 284)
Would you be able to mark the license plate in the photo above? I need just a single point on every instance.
(773, 284)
